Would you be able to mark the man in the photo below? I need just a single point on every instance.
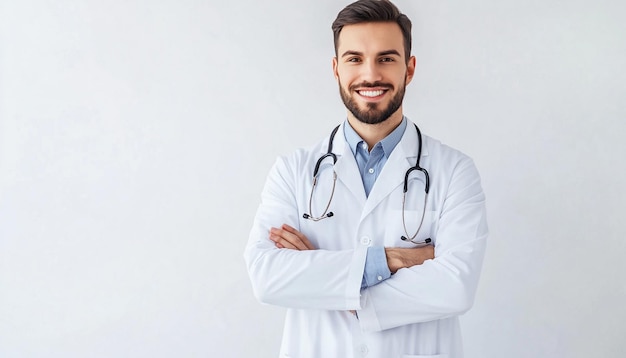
(363, 269)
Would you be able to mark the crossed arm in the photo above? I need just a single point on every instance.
(287, 237)
(283, 274)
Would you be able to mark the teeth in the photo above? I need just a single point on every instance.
(371, 93)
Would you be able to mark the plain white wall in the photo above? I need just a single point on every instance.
(135, 137)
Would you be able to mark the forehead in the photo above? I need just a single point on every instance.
(371, 37)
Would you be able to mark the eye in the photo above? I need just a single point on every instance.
(354, 59)
(387, 59)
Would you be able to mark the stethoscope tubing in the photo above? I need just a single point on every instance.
(328, 214)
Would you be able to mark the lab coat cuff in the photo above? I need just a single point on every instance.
(368, 320)
(355, 276)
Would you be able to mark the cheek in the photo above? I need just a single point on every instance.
(345, 76)
(343, 82)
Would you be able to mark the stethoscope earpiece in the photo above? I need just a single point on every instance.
(328, 215)
(424, 242)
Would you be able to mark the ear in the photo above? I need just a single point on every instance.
(335, 72)
(410, 69)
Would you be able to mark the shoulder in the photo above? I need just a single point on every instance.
(432, 148)
(443, 151)
(302, 157)
(449, 162)
(454, 170)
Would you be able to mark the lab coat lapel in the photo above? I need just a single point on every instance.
(392, 175)
(347, 169)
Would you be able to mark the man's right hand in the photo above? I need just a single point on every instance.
(398, 258)
(286, 237)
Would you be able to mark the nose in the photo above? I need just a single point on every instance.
(370, 71)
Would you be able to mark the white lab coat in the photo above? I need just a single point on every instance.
(412, 314)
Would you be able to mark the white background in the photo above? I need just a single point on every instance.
(135, 137)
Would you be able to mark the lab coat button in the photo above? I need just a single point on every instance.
(365, 241)
(364, 350)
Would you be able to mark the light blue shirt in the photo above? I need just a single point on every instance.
(370, 164)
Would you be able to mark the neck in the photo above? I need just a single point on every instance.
(374, 133)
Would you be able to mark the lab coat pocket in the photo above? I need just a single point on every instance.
(395, 228)
(424, 356)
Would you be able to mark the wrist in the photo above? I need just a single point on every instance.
(394, 259)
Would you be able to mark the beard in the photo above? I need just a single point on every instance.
(373, 114)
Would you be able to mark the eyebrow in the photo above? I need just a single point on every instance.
(382, 53)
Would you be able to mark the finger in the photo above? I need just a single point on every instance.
(281, 243)
(288, 240)
(300, 235)
(294, 240)
(287, 237)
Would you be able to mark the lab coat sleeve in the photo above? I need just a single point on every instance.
(317, 279)
(445, 286)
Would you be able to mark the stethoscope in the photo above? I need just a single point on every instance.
(328, 214)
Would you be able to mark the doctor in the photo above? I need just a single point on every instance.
(363, 269)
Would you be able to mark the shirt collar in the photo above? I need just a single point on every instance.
(388, 143)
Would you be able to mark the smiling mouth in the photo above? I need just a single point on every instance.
(371, 93)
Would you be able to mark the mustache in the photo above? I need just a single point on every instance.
(366, 84)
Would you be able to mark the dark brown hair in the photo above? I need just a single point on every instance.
(373, 11)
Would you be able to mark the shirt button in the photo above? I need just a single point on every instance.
(371, 171)
(365, 240)
(380, 278)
